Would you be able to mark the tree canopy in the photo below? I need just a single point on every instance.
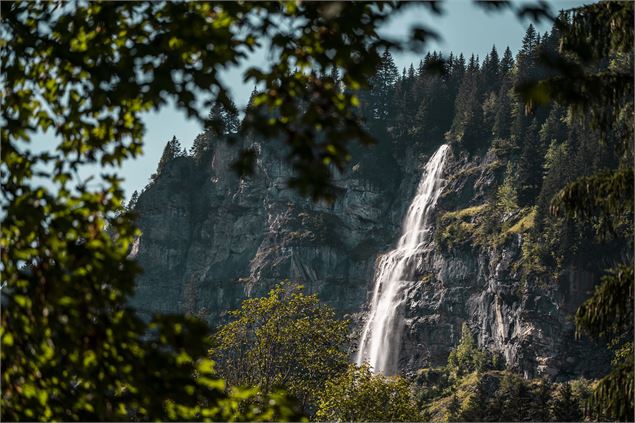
(360, 395)
(594, 80)
(83, 73)
(286, 339)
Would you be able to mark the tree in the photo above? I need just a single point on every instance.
(510, 399)
(506, 195)
(503, 118)
(454, 408)
(360, 395)
(564, 406)
(286, 339)
(538, 406)
(526, 59)
(507, 63)
(530, 165)
(477, 406)
(86, 72)
(594, 78)
(133, 200)
(72, 348)
(467, 127)
(223, 119)
(491, 72)
(222, 125)
(466, 357)
(381, 85)
(171, 151)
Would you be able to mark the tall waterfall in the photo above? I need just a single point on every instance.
(381, 336)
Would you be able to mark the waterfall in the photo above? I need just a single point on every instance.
(381, 336)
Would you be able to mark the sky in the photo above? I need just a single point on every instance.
(464, 28)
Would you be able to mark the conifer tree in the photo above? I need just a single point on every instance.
(538, 407)
(503, 118)
(381, 88)
(421, 69)
(133, 200)
(454, 409)
(602, 96)
(507, 63)
(526, 58)
(170, 152)
(490, 72)
(467, 126)
(564, 406)
(506, 196)
(530, 165)
(223, 119)
(478, 405)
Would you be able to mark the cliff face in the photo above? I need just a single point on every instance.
(210, 240)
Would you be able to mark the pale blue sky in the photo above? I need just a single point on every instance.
(464, 28)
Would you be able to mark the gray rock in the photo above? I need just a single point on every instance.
(210, 240)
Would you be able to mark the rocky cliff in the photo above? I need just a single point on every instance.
(210, 239)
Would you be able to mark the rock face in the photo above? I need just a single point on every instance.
(210, 240)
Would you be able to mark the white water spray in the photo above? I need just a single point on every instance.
(381, 336)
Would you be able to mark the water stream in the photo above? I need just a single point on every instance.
(381, 336)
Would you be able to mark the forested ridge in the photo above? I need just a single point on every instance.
(553, 126)
(477, 106)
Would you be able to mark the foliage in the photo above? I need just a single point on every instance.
(222, 125)
(526, 222)
(360, 395)
(286, 339)
(471, 387)
(564, 406)
(459, 227)
(506, 196)
(466, 357)
(496, 395)
(595, 81)
(83, 74)
(171, 151)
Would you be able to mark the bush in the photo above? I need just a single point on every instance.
(360, 395)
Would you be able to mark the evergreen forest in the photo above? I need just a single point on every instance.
(540, 139)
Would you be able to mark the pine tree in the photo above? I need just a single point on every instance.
(421, 69)
(557, 173)
(467, 126)
(202, 143)
(526, 59)
(133, 200)
(478, 405)
(506, 195)
(538, 410)
(510, 398)
(490, 72)
(222, 122)
(411, 72)
(554, 128)
(530, 166)
(503, 118)
(171, 151)
(381, 88)
(507, 63)
(223, 119)
(564, 407)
